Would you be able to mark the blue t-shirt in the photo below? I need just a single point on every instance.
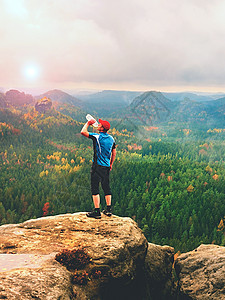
(103, 143)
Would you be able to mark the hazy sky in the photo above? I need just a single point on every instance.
(167, 45)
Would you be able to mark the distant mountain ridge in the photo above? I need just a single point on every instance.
(115, 105)
(111, 95)
(153, 107)
(108, 101)
(192, 96)
(216, 103)
(186, 95)
(60, 96)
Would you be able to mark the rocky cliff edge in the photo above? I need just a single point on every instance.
(120, 262)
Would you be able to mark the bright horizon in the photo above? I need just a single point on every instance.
(35, 91)
(135, 45)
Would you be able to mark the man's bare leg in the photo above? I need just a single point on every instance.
(108, 211)
(108, 200)
(96, 200)
(95, 213)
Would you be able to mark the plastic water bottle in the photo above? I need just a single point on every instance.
(89, 117)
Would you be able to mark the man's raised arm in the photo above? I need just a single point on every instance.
(84, 130)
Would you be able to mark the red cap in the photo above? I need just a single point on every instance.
(105, 124)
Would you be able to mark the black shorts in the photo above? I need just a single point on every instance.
(100, 174)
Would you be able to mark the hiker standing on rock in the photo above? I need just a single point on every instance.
(104, 156)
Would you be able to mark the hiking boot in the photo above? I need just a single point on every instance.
(94, 214)
(107, 212)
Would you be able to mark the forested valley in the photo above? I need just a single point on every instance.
(170, 180)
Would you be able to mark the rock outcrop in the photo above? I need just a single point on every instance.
(43, 105)
(17, 98)
(116, 246)
(120, 263)
(158, 271)
(201, 273)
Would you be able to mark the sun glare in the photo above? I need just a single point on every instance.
(31, 72)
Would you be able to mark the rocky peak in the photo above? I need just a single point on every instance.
(17, 98)
(43, 105)
(151, 106)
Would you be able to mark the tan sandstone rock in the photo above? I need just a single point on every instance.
(201, 273)
(28, 270)
(158, 268)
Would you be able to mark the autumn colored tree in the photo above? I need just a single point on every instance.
(46, 209)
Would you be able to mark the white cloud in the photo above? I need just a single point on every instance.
(154, 42)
